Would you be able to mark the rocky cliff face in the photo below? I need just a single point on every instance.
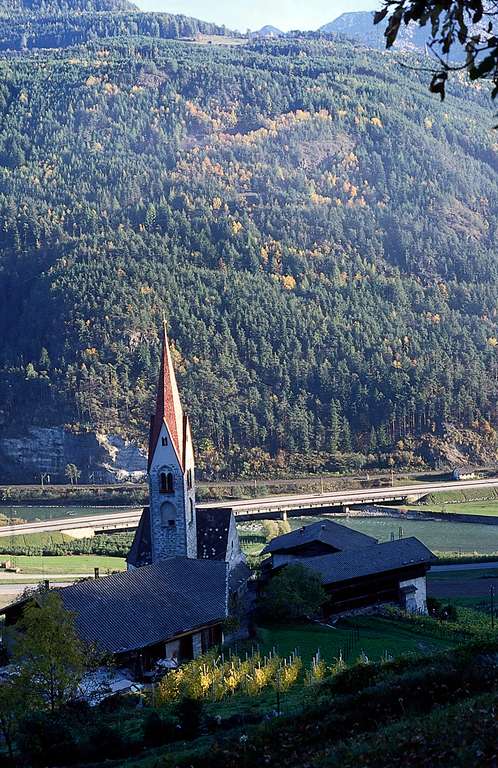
(100, 458)
(359, 25)
(458, 447)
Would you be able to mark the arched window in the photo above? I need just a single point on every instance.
(168, 515)
(166, 484)
(164, 441)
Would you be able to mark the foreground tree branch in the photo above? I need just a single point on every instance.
(469, 24)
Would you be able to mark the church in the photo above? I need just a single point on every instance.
(186, 573)
(172, 525)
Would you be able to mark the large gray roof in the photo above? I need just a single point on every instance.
(334, 534)
(378, 558)
(134, 609)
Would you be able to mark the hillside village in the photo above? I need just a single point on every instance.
(187, 575)
(264, 532)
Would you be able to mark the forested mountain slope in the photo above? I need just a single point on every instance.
(26, 24)
(319, 230)
(63, 7)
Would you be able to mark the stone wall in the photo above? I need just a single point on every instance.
(416, 601)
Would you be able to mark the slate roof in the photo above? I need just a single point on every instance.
(238, 576)
(141, 549)
(213, 526)
(336, 535)
(134, 609)
(378, 558)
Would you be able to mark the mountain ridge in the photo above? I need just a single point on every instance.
(359, 25)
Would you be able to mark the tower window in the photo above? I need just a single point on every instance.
(189, 479)
(166, 482)
(191, 503)
(164, 441)
(168, 515)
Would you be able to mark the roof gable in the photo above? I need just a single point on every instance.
(325, 531)
(168, 407)
(141, 549)
(213, 527)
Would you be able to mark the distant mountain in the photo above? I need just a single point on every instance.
(359, 26)
(268, 31)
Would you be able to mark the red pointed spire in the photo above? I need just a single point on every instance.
(168, 407)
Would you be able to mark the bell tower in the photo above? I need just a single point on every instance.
(171, 470)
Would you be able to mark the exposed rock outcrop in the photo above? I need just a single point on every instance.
(100, 458)
(458, 446)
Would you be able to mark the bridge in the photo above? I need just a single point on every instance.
(251, 509)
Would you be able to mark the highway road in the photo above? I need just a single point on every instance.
(128, 520)
(351, 497)
(110, 521)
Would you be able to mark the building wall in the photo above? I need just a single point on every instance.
(197, 645)
(234, 554)
(417, 601)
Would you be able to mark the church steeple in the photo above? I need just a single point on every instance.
(168, 406)
(171, 469)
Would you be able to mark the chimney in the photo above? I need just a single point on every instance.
(96, 572)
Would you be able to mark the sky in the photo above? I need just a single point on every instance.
(253, 14)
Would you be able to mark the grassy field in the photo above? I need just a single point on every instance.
(35, 540)
(487, 508)
(68, 564)
(377, 636)
(462, 496)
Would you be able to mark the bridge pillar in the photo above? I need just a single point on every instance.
(283, 516)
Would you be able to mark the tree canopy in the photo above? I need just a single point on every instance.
(293, 593)
(330, 291)
(51, 657)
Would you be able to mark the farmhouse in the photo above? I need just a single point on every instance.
(356, 571)
(322, 538)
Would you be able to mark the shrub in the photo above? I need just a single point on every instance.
(189, 712)
(158, 730)
(293, 593)
(46, 739)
